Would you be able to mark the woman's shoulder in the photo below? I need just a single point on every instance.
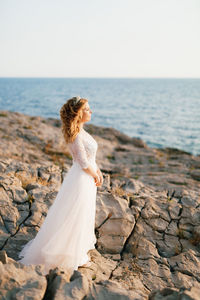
(78, 137)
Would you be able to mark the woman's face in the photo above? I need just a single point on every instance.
(86, 112)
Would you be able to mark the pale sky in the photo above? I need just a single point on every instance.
(100, 38)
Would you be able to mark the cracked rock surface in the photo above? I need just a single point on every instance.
(147, 215)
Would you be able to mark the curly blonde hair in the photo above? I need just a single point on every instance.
(71, 116)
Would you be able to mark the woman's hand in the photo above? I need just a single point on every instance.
(97, 179)
(100, 177)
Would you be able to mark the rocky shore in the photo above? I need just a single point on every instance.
(147, 218)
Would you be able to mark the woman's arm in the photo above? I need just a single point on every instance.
(92, 172)
(79, 154)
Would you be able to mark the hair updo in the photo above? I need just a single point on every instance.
(71, 116)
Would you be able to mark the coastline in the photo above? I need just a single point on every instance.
(147, 218)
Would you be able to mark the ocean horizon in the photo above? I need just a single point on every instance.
(163, 112)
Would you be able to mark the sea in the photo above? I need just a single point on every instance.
(163, 112)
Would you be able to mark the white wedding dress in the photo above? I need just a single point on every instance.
(67, 233)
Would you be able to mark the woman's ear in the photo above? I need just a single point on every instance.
(80, 114)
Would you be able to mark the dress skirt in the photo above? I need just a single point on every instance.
(67, 233)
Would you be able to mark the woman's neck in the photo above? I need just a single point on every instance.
(81, 126)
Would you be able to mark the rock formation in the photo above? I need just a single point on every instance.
(147, 218)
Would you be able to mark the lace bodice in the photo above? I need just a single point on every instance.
(83, 149)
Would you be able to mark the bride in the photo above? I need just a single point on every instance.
(67, 233)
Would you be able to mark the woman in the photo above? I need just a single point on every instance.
(67, 233)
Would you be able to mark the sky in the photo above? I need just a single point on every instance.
(100, 38)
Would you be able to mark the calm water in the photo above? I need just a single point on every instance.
(162, 112)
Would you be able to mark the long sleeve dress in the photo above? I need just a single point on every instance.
(67, 233)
